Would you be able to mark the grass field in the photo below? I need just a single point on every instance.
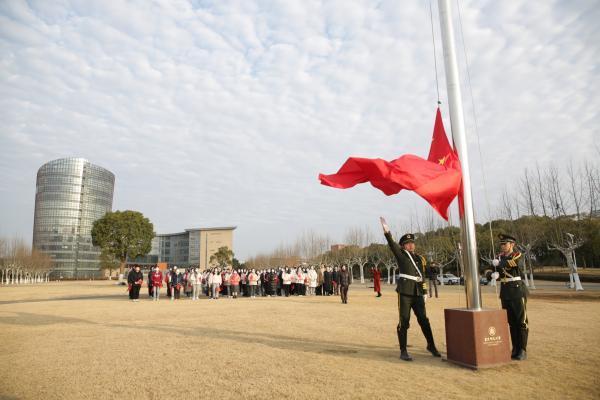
(85, 340)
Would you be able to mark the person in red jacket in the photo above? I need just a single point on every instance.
(156, 279)
(234, 280)
(376, 280)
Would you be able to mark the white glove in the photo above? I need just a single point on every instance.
(424, 298)
(384, 224)
(495, 275)
(495, 262)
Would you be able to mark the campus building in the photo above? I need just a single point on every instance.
(71, 193)
(191, 247)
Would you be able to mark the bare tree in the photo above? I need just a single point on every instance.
(528, 193)
(540, 191)
(575, 189)
(19, 264)
(527, 250)
(567, 249)
(507, 207)
(554, 192)
(592, 182)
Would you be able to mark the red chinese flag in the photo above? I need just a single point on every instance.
(440, 151)
(436, 181)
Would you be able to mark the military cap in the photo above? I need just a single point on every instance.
(506, 238)
(407, 238)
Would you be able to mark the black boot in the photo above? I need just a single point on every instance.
(426, 329)
(402, 342)
(405, 356)
(521, 355)
(514, 338)
(434, 352)
(524, 337)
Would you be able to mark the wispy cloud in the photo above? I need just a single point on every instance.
(218, 112)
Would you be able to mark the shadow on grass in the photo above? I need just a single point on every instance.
(67, 298)
(143, 297)
(308, 345)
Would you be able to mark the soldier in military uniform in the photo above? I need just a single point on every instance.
(411, 290)
(513, 294)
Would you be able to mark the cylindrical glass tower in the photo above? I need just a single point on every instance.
(71, 193)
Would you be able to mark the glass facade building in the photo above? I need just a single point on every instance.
(71, 193)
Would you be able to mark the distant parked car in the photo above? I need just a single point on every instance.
(450, 279)
(483, 280)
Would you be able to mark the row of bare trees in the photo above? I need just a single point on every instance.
(20, 264)
(564, 198)
(359, 252)
(553, 192)
(308, 247)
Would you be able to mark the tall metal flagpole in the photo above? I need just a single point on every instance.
(457, 122)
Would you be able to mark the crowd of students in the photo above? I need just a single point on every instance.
(232, 283)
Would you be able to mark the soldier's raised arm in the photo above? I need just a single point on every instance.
(395, 247)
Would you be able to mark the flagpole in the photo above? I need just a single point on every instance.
(457, 121)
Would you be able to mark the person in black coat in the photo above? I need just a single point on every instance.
(150, 287)
(335, 281)
(272, 283)
(327, 282)
(280, 282)
(176, 283)
(411, 290)
(135, 280)
(432, 273)
(344, 281)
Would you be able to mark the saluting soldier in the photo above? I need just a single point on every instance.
(513, 294)
(411, 290)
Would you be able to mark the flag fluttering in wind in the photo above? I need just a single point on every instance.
(437, 179)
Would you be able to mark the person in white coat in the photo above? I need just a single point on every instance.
(215, 283)
(195, 278)
(227, 282)
(286, 277)
(253, 279)
(313, 278)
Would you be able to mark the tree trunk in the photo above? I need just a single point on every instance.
(532, 283)
(575, 273)
(122, 267)
(574, 282)
(571, 285)
(362, 273)
(389, 275)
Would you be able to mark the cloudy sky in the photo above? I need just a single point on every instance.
(224, 112)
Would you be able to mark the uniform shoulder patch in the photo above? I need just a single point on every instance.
(516, 255)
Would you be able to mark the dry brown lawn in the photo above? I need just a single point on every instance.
(98, 345)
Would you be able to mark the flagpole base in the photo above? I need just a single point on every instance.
(477, 338)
